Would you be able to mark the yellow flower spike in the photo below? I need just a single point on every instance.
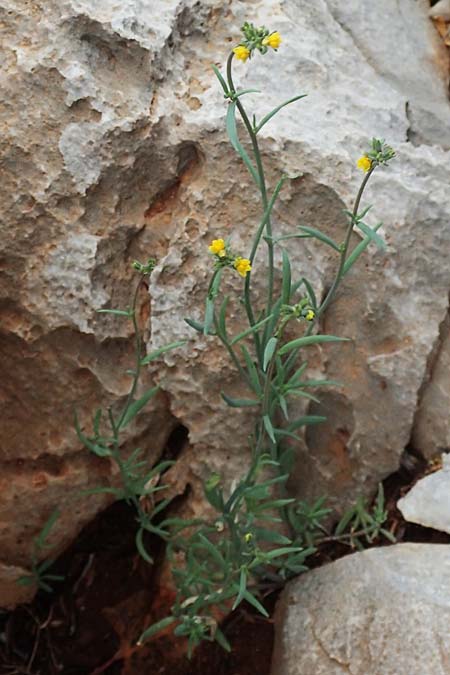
(310, 314)
(241, 53)
(273, 40)
(364, 163)
(242, 265)
(218, 248)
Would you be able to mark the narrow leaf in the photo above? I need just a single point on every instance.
(269, 351)
(242, 588)
(309, 340)
(306, 420)
(98, 450)
(141, 548)
(156, 628)
(269, 428)
(369, 232)
(117, 312)
(234, 139)
(249, 331)
(220, 638)
(286, 287)
(252, 372)
(310, 291)
(242, 92)
(275, 110)
(239, 402)
(137, 406)
(218, 74)
(317, 234)
(162, 350)
(360, 248)
(253, 601)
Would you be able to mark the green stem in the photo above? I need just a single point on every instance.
(262, 187)
(345, 246)
(138, 349)
(339, 274)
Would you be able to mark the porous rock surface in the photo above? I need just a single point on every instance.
(385, 611)
(114, 149)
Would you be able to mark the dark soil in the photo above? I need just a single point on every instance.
(90, 623)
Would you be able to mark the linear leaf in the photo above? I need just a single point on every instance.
(156, 628)
(141, 548)
(137, 406)
(275, 110)
(252, 372)
(269, 351)
(306, 420)
(234, 139)
(242, 587)
(250, 330)
(310, 291)
(98, 450)
(317, 234)
(309, 340)
(218, 74)
(360, 248)
(223, 316)
(220, 638)
(369, 232)
(43, 534)
(286, 287)
(117, 312)
(239, 402)
(269, 428)
(253, 601)
(242, 92)
(162, 350)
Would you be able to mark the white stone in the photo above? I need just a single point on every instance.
(428, 501)
(385, 611)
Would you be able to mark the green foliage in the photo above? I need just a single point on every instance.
(139, 483)
(39, 576)
(257, 536)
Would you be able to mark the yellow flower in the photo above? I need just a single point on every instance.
(364, 163)
(242, 265)
(310, 314)
(241, 52)
(248, 537)
(273, 40)
(218, 248)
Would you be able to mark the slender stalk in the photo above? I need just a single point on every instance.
(339, 274)
(262, 182)
(344, 250)
(138, 349)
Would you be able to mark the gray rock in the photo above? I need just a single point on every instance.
(114, 148)
(431, 428)
(385, 611)
(441, 10)
(428, 501)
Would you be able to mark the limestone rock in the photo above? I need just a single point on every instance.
(385, 611)
(114, 148)
(428, 501)
(441, 10)
(431, 429)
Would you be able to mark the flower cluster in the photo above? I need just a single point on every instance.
(144, 268)
(256, 38)
(379, 153)
(224, 258)
(302, 310)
